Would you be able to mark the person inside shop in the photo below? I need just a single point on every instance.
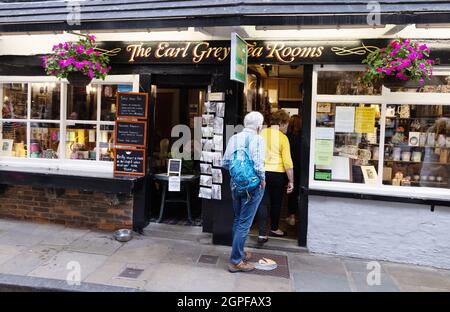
(293, 134)
(245, 153)
(278, 166)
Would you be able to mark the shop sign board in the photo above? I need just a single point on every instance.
(238, 59)
(132, 105)
(131, 133)
(129, 162)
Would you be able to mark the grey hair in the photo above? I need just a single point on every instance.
(253, 120)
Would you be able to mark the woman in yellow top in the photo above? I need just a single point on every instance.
(278, 166)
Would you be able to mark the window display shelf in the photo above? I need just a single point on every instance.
(418, 162)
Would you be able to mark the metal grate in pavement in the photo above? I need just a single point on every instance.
(208, 259)
(282, 269)
(131, 273)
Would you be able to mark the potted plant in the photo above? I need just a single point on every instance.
(78, 61)
(403, 62)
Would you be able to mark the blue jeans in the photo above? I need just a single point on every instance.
(245, 208)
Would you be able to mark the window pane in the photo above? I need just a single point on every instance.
(107, 143)
(345, 83)
(347, 142)
(82, 102)
(417, 146)
(15, 100)
(44, 141)
(108, 102)
(80, 142)
(45, 101)
(440, 84)
(14, 139)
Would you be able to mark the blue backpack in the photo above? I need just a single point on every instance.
(242, 172)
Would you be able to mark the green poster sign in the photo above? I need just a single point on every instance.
(238, 62)
(324, 175)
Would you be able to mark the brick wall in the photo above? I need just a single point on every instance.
(71, 207)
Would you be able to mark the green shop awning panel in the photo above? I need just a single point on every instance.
(32, 12)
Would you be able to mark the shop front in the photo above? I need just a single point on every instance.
(374, 159)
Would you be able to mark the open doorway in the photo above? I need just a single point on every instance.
(175, 106)
(281, 87)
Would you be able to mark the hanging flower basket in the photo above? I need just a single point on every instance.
(78, 79)
(79, 61)
(403, 63)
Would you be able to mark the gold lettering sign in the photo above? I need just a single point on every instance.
(213, 52)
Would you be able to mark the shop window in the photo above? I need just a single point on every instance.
(45, 101)
(345, 83)
(417, 146)
(82, 102)
(44, 141)
(106, 144)
(81, 142)
(396, 142)
(347, 142)
(14, 100)
(13, 139)
(32, 125)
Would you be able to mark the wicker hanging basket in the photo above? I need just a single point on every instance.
(78, 79)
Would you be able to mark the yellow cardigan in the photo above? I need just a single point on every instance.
(278, 151)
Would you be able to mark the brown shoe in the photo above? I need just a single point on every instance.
(247, 256)
(240, 267)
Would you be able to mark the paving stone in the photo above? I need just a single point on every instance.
(175, 277)
(360, 266)
(64, 265)
(408, 276)
(108, 274)
(182, 254)
(66, 237)
(150, 252)
(96, 243)
(257, 283)
(29, 259)
(386, 283)
(316, 263)
(8, 252)
(320, 282)
(25, 234)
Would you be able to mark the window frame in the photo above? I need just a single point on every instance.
(63, 163)
(386, 98)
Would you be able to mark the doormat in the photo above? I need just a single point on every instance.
(196, 222)
(282, 269)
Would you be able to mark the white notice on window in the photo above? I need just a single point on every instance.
(323, 133)
(345, 119)
(174, 184)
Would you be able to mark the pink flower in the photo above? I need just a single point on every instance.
(412, 56)
(379, 70)
(387, 71)
(422, 66)
(79, 65)
(80, 49)
(97, 53)
(89, 51)
(103, 70)
(419, 56)
(91, 37)
(66, 46)
(62, 63)
(91, 73)
(423, 47)
(422, 81)
(430, 62)
(97, 65)
(70, 61)
(62, 53)
(401, 76)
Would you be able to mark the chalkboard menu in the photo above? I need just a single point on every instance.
(129, 162)
(132, 105)
(131, 133)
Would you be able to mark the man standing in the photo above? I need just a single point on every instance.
(244, 158)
